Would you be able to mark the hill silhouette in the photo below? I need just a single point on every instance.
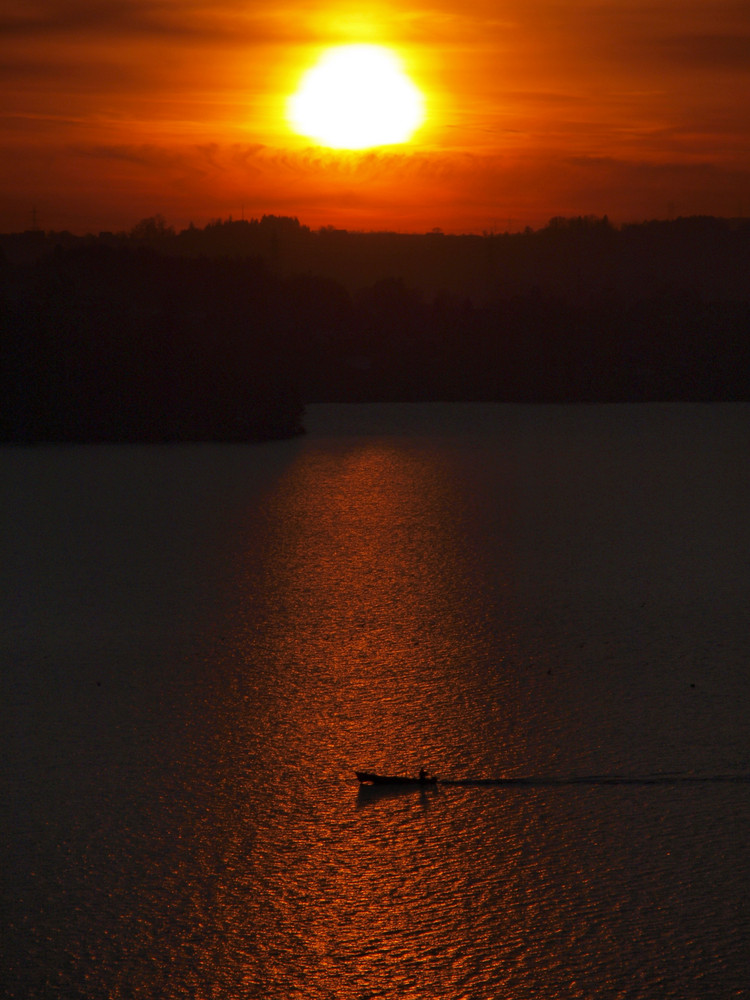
(225, 332)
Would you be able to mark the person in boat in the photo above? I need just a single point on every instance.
(422, 774)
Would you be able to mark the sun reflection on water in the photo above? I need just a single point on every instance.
(373, 619)
(374, 638)
(394, 600)
(372, 603)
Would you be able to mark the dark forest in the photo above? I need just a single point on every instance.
(227, 331)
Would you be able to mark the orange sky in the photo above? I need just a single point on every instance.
(113, 110)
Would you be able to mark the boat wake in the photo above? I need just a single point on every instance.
(599, 779)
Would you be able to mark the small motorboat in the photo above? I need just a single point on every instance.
(369, 778)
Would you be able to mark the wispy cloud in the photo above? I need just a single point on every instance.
(701, 52)
(537, 107)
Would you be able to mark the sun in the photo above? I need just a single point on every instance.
(355, 97)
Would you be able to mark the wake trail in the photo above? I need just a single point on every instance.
(598, 779)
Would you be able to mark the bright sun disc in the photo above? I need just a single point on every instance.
(356, 96)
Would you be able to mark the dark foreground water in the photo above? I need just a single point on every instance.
(200, 644)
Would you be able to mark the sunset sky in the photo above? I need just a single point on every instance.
(114, 110)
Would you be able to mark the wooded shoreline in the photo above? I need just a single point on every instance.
(226, 333)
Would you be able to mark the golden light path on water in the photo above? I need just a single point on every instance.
(386, 647)
(208, 641)
(374, 620)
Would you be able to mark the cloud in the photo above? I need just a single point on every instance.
(149, 156)
(82, 17)
(64, 71)
(538, 107)
(708, 51)
(233, 22)
(111, 186)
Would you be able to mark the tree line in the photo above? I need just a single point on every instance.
(225, 332)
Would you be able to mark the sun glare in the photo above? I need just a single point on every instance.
(355, 97)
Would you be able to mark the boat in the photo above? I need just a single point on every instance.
(369, 778)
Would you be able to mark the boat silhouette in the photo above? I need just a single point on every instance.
(370, 778)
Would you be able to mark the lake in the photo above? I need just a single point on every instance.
(546, 606)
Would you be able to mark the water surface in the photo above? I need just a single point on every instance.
(547, 606)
